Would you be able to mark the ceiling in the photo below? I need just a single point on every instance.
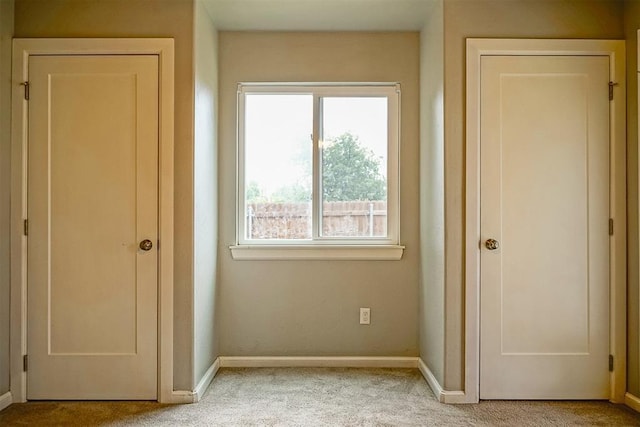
(318, 15)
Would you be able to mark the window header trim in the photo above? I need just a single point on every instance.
(340, 85)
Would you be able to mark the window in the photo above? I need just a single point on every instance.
(318, 168)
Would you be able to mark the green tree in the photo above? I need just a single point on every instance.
(351, 171)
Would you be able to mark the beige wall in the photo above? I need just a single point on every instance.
(502, 19)
(205, 194)
(631, 26)
(143, 18)
(311, 307)
(432, 193)
(6, 32)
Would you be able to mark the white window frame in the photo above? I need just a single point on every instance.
(322, 247)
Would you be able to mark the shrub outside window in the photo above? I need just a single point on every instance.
(318, 164)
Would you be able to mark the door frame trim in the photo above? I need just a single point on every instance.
(615, 50)
(22, 49)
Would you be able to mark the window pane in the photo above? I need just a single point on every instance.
(354, 167)
(278, 166)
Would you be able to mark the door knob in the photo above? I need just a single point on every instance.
(491, 244)
(146, 245)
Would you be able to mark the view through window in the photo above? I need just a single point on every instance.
(315, 163)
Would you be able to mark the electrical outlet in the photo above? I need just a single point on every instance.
(365, 316)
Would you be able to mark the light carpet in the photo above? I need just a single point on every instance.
(319, 397)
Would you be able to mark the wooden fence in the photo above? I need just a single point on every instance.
(339, 219)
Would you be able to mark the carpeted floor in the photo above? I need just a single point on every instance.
(319, 397)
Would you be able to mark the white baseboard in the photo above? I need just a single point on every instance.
(6, 400)
(317, 362)
(206, 380)
(182, 396)
(185, 396)
(632, 401)
(431, 380)
(443, 396)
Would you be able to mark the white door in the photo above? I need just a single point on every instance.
(544, 305)
(92, 198)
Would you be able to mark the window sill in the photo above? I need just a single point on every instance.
(300, 252)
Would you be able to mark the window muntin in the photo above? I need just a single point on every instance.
(293, 164)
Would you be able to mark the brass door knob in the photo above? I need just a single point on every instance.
(146, 245)
(492, 244)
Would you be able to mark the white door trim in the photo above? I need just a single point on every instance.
(22, 49)
(615, 50)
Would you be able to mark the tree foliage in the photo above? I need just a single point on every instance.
(254, 194)
(292, 193)
(351, 171)
(296, 192)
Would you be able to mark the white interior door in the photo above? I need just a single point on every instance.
(544, 305)
(92, 198)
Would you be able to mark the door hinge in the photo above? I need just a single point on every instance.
(610, 226)
(26, 227)
(25, 362)
(611, 363)
(611, 85)
(26, 90)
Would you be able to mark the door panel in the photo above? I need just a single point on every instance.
(92, 196)
(545, 198)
